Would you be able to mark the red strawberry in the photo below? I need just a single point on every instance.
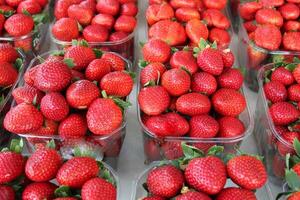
(236, 193)
(247, 171)
(269, 16)
(230, 127)
(61, 7)
(282, 75)
(110, 7)
(296, 73)
(294, 196)
(27, 94)
(283, 113)
(39, 191)
(91, 4)
(247, 10)
(220, 36)
(98, 189)
(7, 193)
(152, 72)
(193, 104)
(76, 171)
(228, 102)
(65, 198)
(171, 32)
(272, 3)
(228, 58)
(153, 100)
(256, 57)
(172, 150)
(165, 181)
(232, 79)
(31, 6)
(156, 51)
(74, 126)
(95, 33)
(195, 30)
(43, 165)
(157, 12)
(176, 81)
(291, 26)
(52, 76)
(19, 25)
(8, 53)
(54, 106)
(116, 62)
(111, 84)
(65, 29)
(250, 26)
(76, 75)
(296, 168)
(125, 23)
(8, 74)
(184, 59)
(193, 195)
(13, 3)
(117, 36)
(81, 94)
(153, 198)
(187, 14)
(81, 56)
(129, 9)
(203, 126)
(206, 174)
(275, 91)
(289, 138)
(210, 61)
(49, 128)
(14, 120)
(290, 41)
(204, 83)
(104, 116)
(290, 11)
(215, 4)
(268, 37)
(216, 18)
(183, 4)
(11, 165)
(83, 15)
(294, 93)
(104, 20)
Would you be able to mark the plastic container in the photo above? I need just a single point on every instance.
(138, 191)
(233, 7)
(251, 63)
(106, 147)
(270, 145)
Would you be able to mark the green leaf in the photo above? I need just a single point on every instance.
(150, 83)
(16, 145)
(186, 70)
(98, 53)
(58, 53)
(7, 14)
(83, 43)
(203, 44)
(41, 18)
(287, 161)
(282, 194)
(186, 48)
(296, 60)
(291, 67)
(292, 179)
(215, 150)
(214, 45)
(121, 103)
(69, 62)
(278, 58)
(19, 64)
(174, 49)
(62, 191)
(142, 44)
(191, 152)
(104, 94)
(296, 145)
(25, 12)
(131, 74)
(83, 152)
(51, 144)
(142, 64)
(74, 42)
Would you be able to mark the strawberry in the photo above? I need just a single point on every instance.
(104, 116)
(125, 23)
(206, 174)
(216, 18)
(204, 83)
(215, 4)
(176, 81)
(289, 138)
(7, 193)
(247, 171)
(65, 29)
(111, 83)
(220, 36)
(187, 14)
(290, 11)
(49, 128)
(54, 106)
(19, 25)
(76, 75)
(283, 76)
(14, 120)
(296, 168)
(275, 91)
(228, 102)
(13, 3)
(31, 6)
(152, 72)
(74, 126)
(171, 32)
(203, 126)
(283, 113)
(247, 10)
(230, 127)
(294, 196)
(165, 181)
(129, 9)
(8, 74)
(83, 15)
(156, 50)
(81, 94)
(232, 79)
(81, 56)
(294, 92)
(27, 94)
(291, 26)
(116, 62)
(117, 36)
(95, 33)
(52, 76)
(228, 58)
(184, 59)
(269, 16)
(290, 41)
(11, 165)
(153, 198)
(91, 4)
(43, 165)
(66, 198)
(153, 100)
(193, 195)
(250, 26)
(105, 20)
(268, 37)
(183, 4)
(76, 171)
(98, 189)
(256, 57)
(296, 73)
(157, 12)
(210, 60)
(193, 104)
(39, 191)
(195, 30)
(172, 150)
(8, 53)
(110, 7)
(236, 193)
(272, 3)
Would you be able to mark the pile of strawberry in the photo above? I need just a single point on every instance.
(272, 24)
(194, 19)
(200, 176)
(46, 175)
(190, 95)
(73, 93)
(94, 21)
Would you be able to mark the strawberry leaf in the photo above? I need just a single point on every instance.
(16, 145)
(58, 53)
(51, 144)
(121, 103)
(296, 145)
(105, 173)
(186, 48)
(62, 191)
(214, 45)
(142, 64)
(19, 64)
(74, 42)
(69, 62)
(278, 59)
(7, 13)
(191, 152)
(291, 67)
(98, 53)
(131, 74)
(292, 179)
(41, 18)
(215, 150)
(104, 94)
(282, 194)
(83, 152)
(142, 44)
(174, 49)
(203, 44)
(296, 60)
(25, 12)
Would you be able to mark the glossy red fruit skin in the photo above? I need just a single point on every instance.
(294, 196)
(165, 181)
(44, 190)
(7, 193)
(157, 12)
(247, 10)
(19, 25)
(43, 165)
(117, 36)
(8, 53)
(289, 138)
(98, 189)
(290, 11)
(282, 75)
(203, 126)
(184, 59)
(31, 6)
(291, 25)
(230, 127)
(160, 126)
(76, 171)
(153, 198)
(269, 16)
(8, 74)
(268, 37)
(206, 175)
(172, 150)
(283, 113)
(228, 58)
(204, 83)
(250, 26)
(187, 14)
(97, 69)
(152, 72)
(105, 20)
(231, 78)
(129, 9)
(195, 30)
(275, 91)
(216, 18)
(83, 15)
(193, 195)
(27, 94)
(236, 193)
(110, 7)
(294, 92)
(61, 8)
(193, 104)
(296, 73)
(125, 23)
(291, 41)
(81, 55)
(210, 60)
(156, 50)
(183, 4)
(115, 61)
(153, 100)
(221, 36)
(247, 171)
(74, 126)
(49, 128)
(11, 165)
(65, 29)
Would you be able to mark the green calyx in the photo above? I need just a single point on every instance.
(16, 145)
(106, 174)
(142, 64)
(120, 102)
(203, 44)
(7, 13)
(83, 43)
